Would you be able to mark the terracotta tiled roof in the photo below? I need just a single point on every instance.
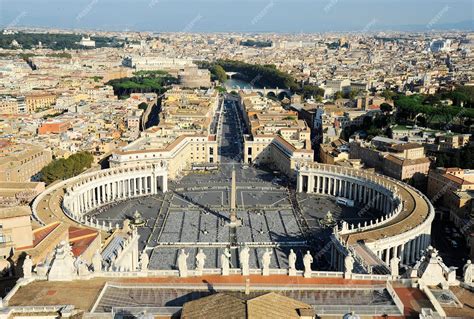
(273, 305)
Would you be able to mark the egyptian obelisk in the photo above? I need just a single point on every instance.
(234, 222)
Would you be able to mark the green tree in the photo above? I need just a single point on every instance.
(219, 73)
(143, 106)
(66, 168)
(338, 95)
(387, 94)
(386, 108)
(311, 91)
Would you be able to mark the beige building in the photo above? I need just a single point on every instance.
(399, 160)
(19, 193)
(334, 152)
(452, 141)
(452, 188)
(194, 78)
(19, 162)
(277, 137)
(39, 101)
(8, 105)
(15, 229)
(180, 154)
(406, 161)
(183, 137)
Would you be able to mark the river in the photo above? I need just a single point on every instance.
(237, 84)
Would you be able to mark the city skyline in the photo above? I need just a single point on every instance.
(307, 159)
(239, 15)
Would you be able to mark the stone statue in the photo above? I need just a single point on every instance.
(62, 267)
(200, 260)
(266, 259)
(307, 261)
(81, 266)
(27, 266)
(225, 263)
(126, 226)
(182, 263)
(244, 261)
(394, 268)
(97, 262)
(348, 265)
(292, 263)
(468, 272)
(144, 261)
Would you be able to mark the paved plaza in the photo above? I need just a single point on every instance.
(194, 214)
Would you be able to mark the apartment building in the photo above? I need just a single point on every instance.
(276, 136)
(54, 127)
(454, 188)
(400, 160)
(8, 105)
(183, 138)
(39, 101)
(20, 162)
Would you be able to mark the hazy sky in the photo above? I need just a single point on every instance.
(239, 15)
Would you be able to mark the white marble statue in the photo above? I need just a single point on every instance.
(81, 266)
(468, 272)
(225, 262)
(292, 259)
(144, 261)
(200, 260)
(126, 226)
(348, 265)
(394, 266)
(307, 261)
(244, 258)
(266, 260)
(27, 266)
(292, 263)
(182, 263)
(62, 267)
(97, 261)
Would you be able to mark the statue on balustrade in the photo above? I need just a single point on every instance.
(126, 226)
(394, 266)
(348, 265)
(81, 266)
(27, 266)
(182, 263)
(225, 262)
(144, 261)
(266, 260)
(200, 260)
(97, 262)
(292, 263)
(244, 258)
(307, 261)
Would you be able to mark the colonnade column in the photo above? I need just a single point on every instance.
(165, 183)
(299, 186)
(310, 183)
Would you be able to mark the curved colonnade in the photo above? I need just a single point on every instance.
(93, 190)
(404, 229)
